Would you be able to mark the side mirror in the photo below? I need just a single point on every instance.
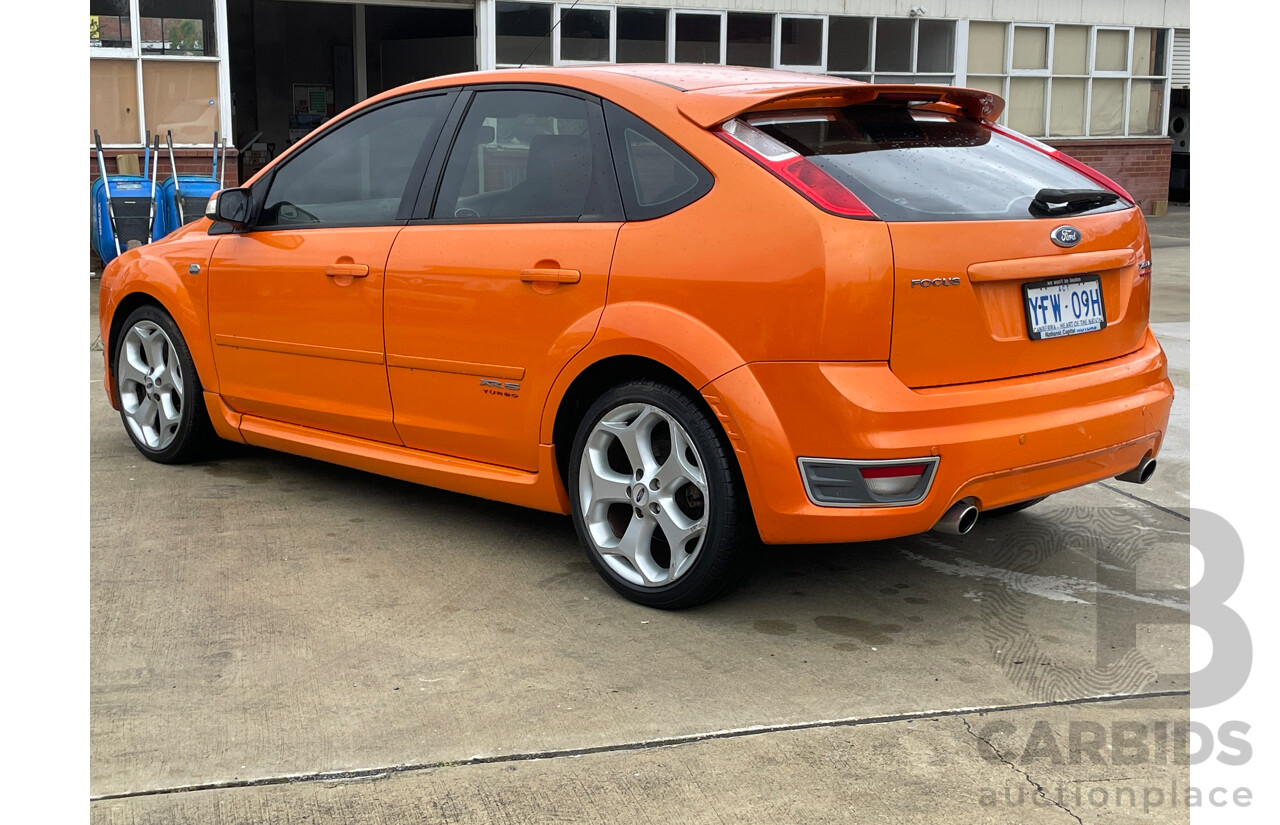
(230, 206)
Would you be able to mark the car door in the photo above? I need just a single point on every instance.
(502, 276)
(295, 302)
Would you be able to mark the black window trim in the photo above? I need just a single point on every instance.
(258, 192)
(424, 207)
(635, 211)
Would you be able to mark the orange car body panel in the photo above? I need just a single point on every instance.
(801, 330)
(477, 329)
(296, 343)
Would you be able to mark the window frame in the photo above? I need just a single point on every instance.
(666, 29)
(616, 123)
(1088, 77)
(493, 18)
(413, 186)
(560, 9)
(818, 68)
(436, 165)
(674, 16)
(135, 54)
(872, 75)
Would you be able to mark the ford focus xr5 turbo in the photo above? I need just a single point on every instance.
(688, 306)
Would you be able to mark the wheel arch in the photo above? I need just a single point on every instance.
(187, 322)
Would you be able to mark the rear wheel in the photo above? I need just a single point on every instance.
(161, 400)
(657, 498)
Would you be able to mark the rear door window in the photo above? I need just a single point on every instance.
(529, 156)
(917, 165)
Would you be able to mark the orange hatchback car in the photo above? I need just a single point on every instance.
(692, 307)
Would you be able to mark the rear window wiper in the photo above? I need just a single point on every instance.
(1050, 203)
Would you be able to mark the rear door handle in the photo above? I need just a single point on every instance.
(348, 270)
(550, 276)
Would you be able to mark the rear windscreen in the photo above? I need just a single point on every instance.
(917, 165)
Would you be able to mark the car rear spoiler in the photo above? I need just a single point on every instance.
(713, 106)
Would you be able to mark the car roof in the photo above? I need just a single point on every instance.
(710, 94)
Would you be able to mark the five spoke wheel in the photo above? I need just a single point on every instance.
(151, 389)
(643, 494)
(160, 396)
(657, 498)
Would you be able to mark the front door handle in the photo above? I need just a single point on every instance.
(550, 276)
(346, 270)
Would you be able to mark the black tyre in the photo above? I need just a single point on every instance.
(1009, 510)
(657, 498)
(161, 400)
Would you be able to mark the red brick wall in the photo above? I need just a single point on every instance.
(1140, 165)
(190, 162)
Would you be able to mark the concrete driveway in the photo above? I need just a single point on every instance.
(276, 639)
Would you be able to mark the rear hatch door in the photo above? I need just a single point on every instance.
(1008, 261)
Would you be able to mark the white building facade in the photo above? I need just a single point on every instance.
(1097, 78)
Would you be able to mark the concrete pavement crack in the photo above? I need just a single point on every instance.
(1159, 507)
(621, 747)
(1039, 788)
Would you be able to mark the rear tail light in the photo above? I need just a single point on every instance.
(795, 170)
(835, 482)
(1088, 171)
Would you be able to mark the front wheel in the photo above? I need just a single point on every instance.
(161, 400)
(657, 498)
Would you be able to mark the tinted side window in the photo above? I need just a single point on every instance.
(356, 174)
(529, 156)
(656, 176)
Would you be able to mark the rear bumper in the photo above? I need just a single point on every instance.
(998, 442)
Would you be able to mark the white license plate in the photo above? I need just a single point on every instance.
(1064, 306)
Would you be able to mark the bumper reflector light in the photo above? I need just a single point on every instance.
(835, 482)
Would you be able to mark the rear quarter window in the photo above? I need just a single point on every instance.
(655, 175)
(917, 165)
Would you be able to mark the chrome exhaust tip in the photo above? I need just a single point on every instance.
(959, 519)
(1140, 474)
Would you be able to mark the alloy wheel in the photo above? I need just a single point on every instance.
(644, 495)
(151, 388)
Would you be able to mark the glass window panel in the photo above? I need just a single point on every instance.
(177, 27)
(584, 35)
(893, 44)
(849, 44)
(524, 154)
(897, 78)
(986, 48)
(357, 173)
(697, 38)
(936, 49)
(1071, 50)
(642, 36)
(182, 96)
(1066, 113)
(1146, 107)
(750, 40)
(1149, 51)
(1026, 105)
(1030, 47)
(801, 42)
(1106, 107)
(520, 36)
(113, 100)
(995, 85)
(1111, 51)
(109, 26)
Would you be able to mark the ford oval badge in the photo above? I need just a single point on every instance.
(1067, 236)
